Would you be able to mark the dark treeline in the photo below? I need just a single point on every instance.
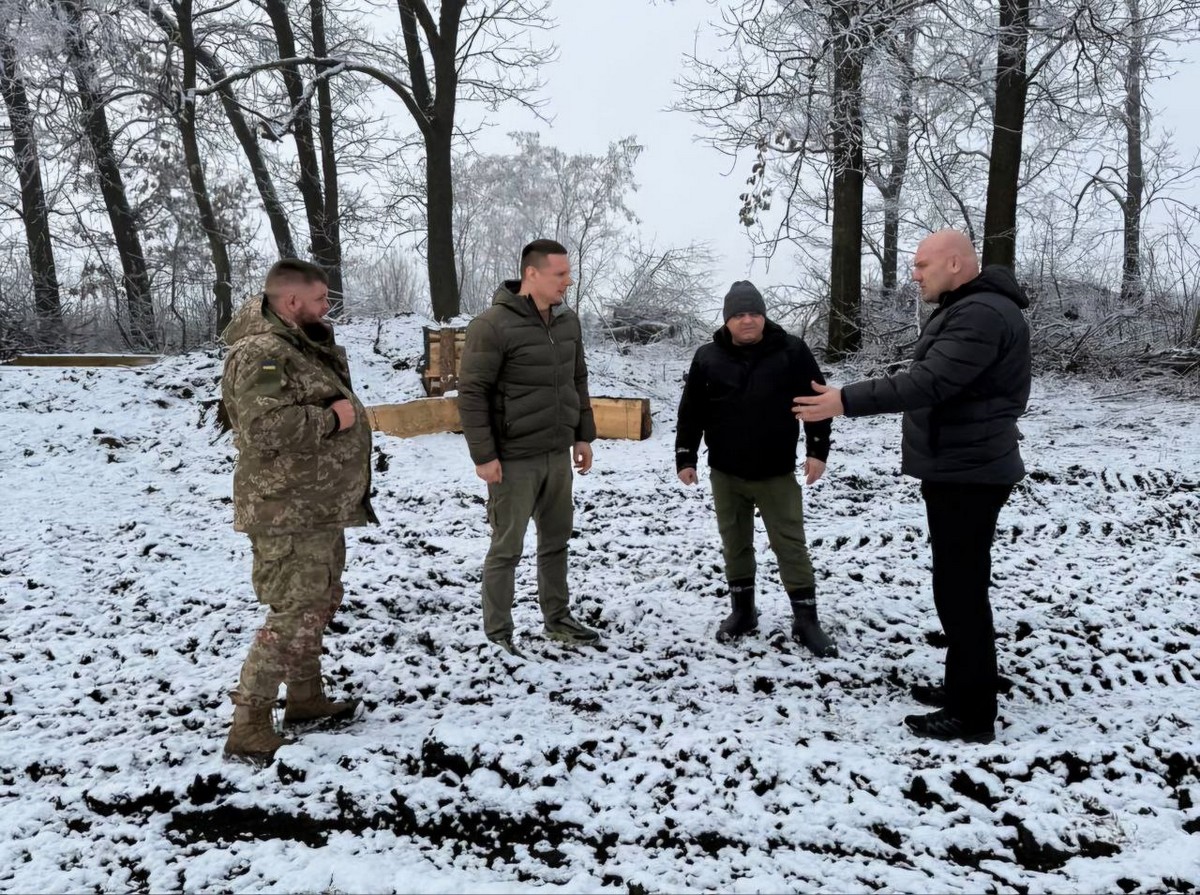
(156, 153)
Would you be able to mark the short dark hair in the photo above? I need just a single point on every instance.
(293, 270)
(534, 254)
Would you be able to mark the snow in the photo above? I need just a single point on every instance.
(660, 761)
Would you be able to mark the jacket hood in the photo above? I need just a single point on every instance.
(250, 320)
(995, 278)
(509, 295)
(254, 318)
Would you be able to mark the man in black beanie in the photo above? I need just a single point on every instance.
(738, 397)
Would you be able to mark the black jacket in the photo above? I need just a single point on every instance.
(967, 385)
(740, 399)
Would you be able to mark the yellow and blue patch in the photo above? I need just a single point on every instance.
(269, 380)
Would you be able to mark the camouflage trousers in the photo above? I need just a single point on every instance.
(300, 577)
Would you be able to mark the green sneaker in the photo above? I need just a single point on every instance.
(568, 630)
(507, 645)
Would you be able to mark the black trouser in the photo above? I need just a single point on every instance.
(962, 524)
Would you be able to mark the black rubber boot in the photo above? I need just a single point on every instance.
(744, 617)
(806, 629)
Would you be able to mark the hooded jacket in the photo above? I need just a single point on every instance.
(523, 382)
(965, 388)
(739, 397)
(295, 471)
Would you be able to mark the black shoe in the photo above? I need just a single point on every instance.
(744, 617)
(929, 694)
(941, 725)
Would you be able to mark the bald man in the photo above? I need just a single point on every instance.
(961, 397)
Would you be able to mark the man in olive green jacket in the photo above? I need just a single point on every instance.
(303, 475)
(525, 412)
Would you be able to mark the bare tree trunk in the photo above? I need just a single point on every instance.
(435, 118)
(845, 270)
(332, 235)
(1131, 206)
(894, 183)
(139, 304)
(280, 228)
(1004, 170)
(309, 182)
(34, 213)
(443, 278)
(185, 116)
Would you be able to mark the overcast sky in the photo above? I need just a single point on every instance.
(618, 61)
(615, 76)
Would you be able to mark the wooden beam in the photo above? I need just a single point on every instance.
(615, 417)
(425, 416)
(83, 360)
(622, 417)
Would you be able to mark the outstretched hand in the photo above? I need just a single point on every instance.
(824, 405)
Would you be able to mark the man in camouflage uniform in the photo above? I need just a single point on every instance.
(525, 411)
(303, 475)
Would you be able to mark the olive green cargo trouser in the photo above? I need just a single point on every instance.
(537, 488)
(300, 577)
(781, 503)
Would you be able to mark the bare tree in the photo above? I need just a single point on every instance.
(505, 200)
(182, 103)
(1126, 52)
(238, 122)
(315, 187)
(444, 58)
(34, 210)
(1008, 126)
(887, 168)
(792, 88)
(141, 333)
(662, 293)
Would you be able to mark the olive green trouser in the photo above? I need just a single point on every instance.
(300, 577)
(537, 488)
(781, 504)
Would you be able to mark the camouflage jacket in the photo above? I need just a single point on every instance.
(294, 471)
(523, 384)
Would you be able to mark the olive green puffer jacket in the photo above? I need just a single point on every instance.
(522, 385)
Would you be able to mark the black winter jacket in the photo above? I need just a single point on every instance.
(967, 385)
(740, 399)
(523, 384)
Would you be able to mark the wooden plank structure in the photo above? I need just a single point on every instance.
(425, 416)
(83, 360)
(615, 417)
(443, 355)
(622, 417)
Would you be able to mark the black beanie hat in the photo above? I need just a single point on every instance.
(744, 298)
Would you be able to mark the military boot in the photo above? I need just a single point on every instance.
(252, 738)
(805, 627)
(306, 701)
(744, 617)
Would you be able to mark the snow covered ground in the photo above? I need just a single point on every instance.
(661, 761)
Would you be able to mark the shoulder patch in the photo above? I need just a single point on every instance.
(269, 378)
